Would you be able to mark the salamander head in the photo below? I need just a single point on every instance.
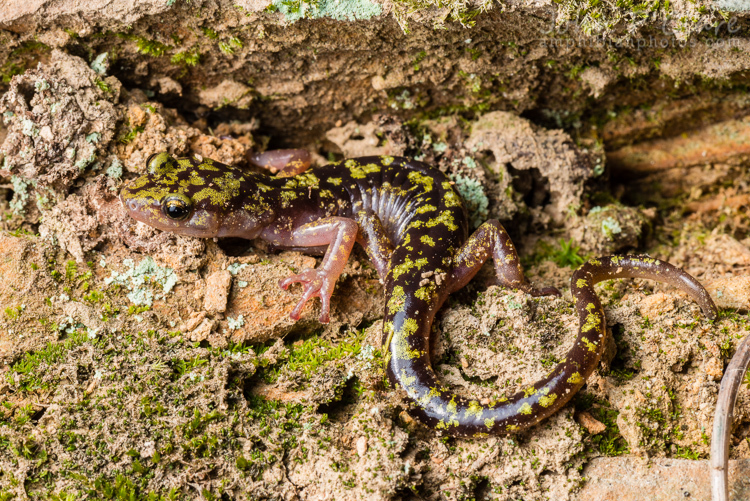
(196, 198)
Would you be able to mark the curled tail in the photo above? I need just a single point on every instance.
(409, 364)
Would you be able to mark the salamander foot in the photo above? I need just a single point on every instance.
(316, 284)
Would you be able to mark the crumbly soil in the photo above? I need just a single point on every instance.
(136, 364)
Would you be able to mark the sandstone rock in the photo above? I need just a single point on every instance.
(714, 368)
(712, 144)
(658, 479)
(730, 292)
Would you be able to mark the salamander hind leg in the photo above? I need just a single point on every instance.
(339, 234)
(491, 240)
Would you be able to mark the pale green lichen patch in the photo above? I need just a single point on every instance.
(100, 64)
(235, 323)
(138, 278)
(29, 128)
(475, 198)
(114, 170)
(342, 10)
(235, 268)
(20, 194)
(610, 227)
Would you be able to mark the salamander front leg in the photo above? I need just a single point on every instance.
(283, 163)
(339, 234)
(491, 240)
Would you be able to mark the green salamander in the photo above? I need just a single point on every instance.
(413, 225)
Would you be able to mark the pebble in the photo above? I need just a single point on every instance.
(217, 291)
(202, 331)
(714, 368)
(361, 446)
(194, 320)
(592, 425)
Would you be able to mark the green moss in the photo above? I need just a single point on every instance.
(20, 232)
(94, 297)
(268, 411)
(457, 10)
(130, 134)
(168, 387)
(122, 488)
(13, 312)
(610, 442)
(472, 81)
(71, 270)
(150, 47)
(306, 357)
(418, 59)
(29, 372)
(21, 58)
(210, 33)
(686, 453)
(187, 58)
(137, 310)
(104, 86)
(566, 253)
(594, 17)
(183, 367)
(231, 45)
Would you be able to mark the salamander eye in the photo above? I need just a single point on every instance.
(176, 207)
(160, 163)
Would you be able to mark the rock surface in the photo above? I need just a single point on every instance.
(309, 65)
(631, 479)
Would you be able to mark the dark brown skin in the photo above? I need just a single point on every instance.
(413, 225)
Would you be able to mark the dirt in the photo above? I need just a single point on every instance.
(139, 364)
